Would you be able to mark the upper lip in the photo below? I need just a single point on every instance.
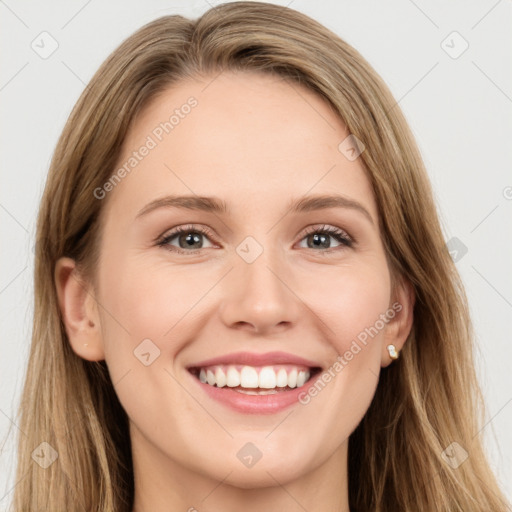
(255, 359)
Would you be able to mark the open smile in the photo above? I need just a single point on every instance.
(272, 382)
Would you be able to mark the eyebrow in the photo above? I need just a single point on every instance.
(216, 205)
(206, 204)
(323, 202)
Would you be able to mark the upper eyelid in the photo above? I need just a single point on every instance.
(326, 227)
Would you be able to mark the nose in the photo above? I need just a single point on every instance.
(258, 297)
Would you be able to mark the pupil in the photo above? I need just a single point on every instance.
(320, 240)
(190, 239)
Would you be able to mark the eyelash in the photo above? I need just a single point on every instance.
(339, 235)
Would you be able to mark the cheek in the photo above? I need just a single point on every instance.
(144, 323)
(349, 300)
(147, 301)
(350, 305)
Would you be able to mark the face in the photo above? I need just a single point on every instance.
(243, 340)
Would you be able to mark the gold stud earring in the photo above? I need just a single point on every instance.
(393, 354)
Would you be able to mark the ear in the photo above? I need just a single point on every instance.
(400, 325)
(79, 311)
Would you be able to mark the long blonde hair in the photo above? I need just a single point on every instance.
(427, 400)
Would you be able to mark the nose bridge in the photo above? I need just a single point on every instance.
(257, 293)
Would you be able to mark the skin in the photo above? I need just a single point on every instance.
(257, 143)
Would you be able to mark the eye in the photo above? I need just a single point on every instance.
(319, 237)
(188, 238)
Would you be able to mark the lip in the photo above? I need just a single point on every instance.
(256, 404)
(254, 359)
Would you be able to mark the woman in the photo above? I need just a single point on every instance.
(243, 294)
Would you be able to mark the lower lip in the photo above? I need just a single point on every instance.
(255, 404)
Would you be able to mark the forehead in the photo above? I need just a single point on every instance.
(239, 136)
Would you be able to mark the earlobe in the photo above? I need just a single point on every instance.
(399, 327)
(79, 311)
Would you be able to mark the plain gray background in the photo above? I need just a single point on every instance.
(458, 104)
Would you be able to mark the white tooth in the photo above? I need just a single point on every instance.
(260, 392)
(210, 377)
(220, 377)
(267, 378)
(233, 377)
(292, 378)
(202, 376)
(249, 377)
(282, 378)
(301, 379)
